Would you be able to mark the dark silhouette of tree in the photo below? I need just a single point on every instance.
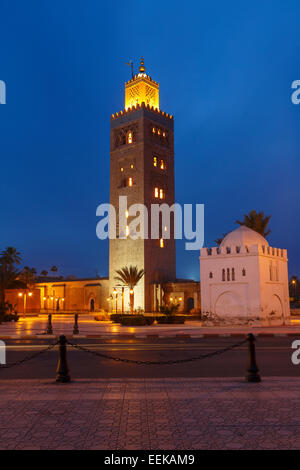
(219, 240)
(257, 221)
(28, 276)
(294, 288)
(9, 259)
(54, 270)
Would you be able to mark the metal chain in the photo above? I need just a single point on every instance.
(178, 361)
(28, 358)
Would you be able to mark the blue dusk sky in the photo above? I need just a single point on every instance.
(225, 70)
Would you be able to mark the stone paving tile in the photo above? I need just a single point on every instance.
(150, 414)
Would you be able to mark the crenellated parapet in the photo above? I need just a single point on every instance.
(143, 105)
(141, 76)
(262, 250)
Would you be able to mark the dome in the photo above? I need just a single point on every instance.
(244, 236)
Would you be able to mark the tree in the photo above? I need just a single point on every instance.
(219, 240)
(54, 269)
(130, 278)
(256, 221)
(44, 272)
(9, 258)
(294, 288)
(28, 276)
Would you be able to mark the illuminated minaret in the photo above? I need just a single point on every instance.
(142, 168)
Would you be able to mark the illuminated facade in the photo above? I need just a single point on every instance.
(245, 281)
(141, 89)
(142, 168)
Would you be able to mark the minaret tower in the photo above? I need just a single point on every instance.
(142, 168)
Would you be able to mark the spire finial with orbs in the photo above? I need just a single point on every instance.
(142, 66)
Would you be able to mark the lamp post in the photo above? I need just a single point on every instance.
(294, 284)
(115, 293)
(122, 300)
(131, 297)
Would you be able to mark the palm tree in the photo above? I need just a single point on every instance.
(54, 269)
(257, 221)
(44, 273)
(9, 258)
(219, 240)
(130, 278)
(28, 276)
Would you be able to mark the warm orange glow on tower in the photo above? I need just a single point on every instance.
(141, 89)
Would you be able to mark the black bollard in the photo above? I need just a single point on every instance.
(76, 329)
(62, 371)
(252, 369)
(49, 326)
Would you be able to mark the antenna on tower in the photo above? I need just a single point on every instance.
(130, 63)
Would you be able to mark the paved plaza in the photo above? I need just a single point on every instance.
(63, 324)
(116, 414)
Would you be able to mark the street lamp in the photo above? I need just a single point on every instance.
(115, 292)
(294, 284)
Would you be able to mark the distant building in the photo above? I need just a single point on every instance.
(244, 281)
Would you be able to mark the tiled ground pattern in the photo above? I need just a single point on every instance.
(149, 414)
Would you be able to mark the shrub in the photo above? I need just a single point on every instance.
(133, 320)
(7, 317)
(170, 309)
(116, 317)
(171, 320)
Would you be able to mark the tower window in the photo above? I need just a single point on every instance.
(154, 161)
(244, 272)
(210, 275)
(159, 193)
(122, 169)
(130, 181)
(153, 130)
(228, 274)
(232, 275)
(161, 242)
(129, 137)
(223, 274)
(163, 165)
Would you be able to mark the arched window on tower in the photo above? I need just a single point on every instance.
(228, 274)
(223, 274)
(232, 275)
(129, 137)
(244, 272)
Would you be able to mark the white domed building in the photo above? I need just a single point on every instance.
(244, 281)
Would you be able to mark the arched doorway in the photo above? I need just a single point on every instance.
(229, 304)
(275, 306)
(92, 305)
(190, 304)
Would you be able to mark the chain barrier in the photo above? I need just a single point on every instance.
(152, 363)
(28, 358)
